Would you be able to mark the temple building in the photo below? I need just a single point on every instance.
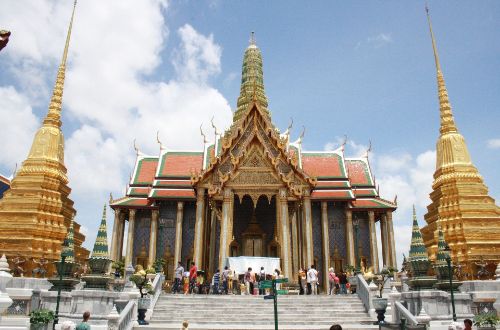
(36, 212)
(253, 192)
(461, 206)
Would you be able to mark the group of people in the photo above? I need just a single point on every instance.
(337, 282)
(193, 281)
(308, 280)
(185, 281)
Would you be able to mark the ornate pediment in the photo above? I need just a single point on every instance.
(253, 155)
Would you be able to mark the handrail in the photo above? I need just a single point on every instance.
(363, 291)
(157, 288)
(402, 311)
(125, 322)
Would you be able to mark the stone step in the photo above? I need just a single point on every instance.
(253, 312)
(221, 326)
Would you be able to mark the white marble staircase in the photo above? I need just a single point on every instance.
(253, 312)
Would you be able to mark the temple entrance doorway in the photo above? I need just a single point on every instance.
(254, 227)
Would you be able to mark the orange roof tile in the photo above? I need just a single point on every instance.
(145, 171)
(323, 165)
(359, 172)
(173, 193)
(332, 194)
(180, 163)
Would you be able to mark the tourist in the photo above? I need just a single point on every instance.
(302, 281)
(337, 284)
(336, 327)
(467, 324)
(185, 282)
(224, 277)
(215, 282)
(193, 273)
(262, 277)
(248, 279)
(312, 279)
(230, 279)
(179, 271)
(276, 275)
(343, 283)
(331, 282)
(84, 325)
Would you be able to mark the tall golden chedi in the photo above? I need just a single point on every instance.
(468, 216)
(36, 212)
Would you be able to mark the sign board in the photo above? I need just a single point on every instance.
(269, 296)
(282, 280)
(282, 291)
(265, 286)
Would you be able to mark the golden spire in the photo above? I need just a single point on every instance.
(252, 81)
(54, 115)
(447, 121)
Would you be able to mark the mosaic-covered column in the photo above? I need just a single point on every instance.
(326, 243)
(130, 238)
(213, 232)
(350, 238)
(153, 234)
(373, 242)
(121, 234)
(285, 234)
(114, 238)
(309, 257)
(198, 228)
(383, 238)
(295, 244)
(226, 230)
(178, 233)
(390, 240)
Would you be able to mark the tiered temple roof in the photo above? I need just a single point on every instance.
(168, 177)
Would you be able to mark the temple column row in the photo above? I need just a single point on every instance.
(198, 227)
(285, 234)
(326, 243)
(178, 233)
(226, 227)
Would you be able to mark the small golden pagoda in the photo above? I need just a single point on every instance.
(468, 216)
(36, 211)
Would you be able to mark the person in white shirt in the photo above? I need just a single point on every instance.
(312, 279)
(179, 271)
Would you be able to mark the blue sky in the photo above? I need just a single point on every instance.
(364, 69)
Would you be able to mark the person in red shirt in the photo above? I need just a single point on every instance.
(192, 276)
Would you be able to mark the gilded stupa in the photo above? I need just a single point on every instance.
(469, 217)
(36, 212)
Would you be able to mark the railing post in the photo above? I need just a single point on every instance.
(113, 319)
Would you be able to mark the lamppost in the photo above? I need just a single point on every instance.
(60, 270)
(355, 222)
(450, 275)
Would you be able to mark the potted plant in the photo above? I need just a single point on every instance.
(40, 319)
(379, 303)
(158, 265)
(145, 287)
(351, 278)
(119, 267)
(150, 273)
(486, 321)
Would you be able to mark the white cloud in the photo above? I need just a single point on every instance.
(410, 178)
(380, 40)
(494, 144)
(198, 57)
(18, 128)
(109, 94)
